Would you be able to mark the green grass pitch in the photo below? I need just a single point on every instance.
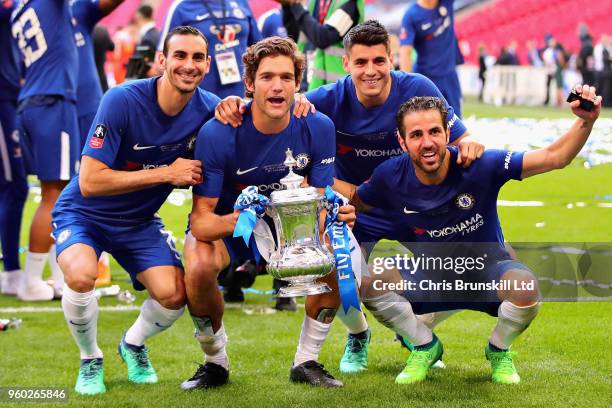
(562, 358)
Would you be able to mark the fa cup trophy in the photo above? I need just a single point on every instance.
(299, 257)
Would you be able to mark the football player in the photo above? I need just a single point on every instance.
(136, 153)
(253, 155)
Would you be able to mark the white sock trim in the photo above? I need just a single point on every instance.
(355, 321)
(511, 322)
(153, 319)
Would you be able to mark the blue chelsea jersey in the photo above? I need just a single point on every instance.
(463, 208)
(234, 158)
(270, 24)
(130, 132)
(366, 137)
(44, 33)
(432, 34)
(230, 28)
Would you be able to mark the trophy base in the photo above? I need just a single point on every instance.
(301, 289)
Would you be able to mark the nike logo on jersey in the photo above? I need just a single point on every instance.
(202, 17)
(407, 211)
(241, 172)
(78, 324)
(425, 26)
(137, 147)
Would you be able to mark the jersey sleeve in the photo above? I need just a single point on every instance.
(502, 165)
(212, 151)
(375, 191)
(407, 31)
(425, 87)
(323, 99)
(108, 127)
(323, 141)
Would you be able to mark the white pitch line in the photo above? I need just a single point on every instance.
(118, 308)
(507, 203)
(33, 309)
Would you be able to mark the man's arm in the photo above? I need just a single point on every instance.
(406, 58)
(205, 224)
(407, 37)
(324, 35)
(350, 191)
(97, 179)
(563, 150)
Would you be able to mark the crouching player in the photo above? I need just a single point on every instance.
(253, 155)
(440, 201)
(134, 156)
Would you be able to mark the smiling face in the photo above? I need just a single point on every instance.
(370, 68)
(425, 140)
(274, 86)
(185, 62)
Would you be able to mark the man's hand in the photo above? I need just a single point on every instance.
(302, 107)
(233, 217)
(230, 110)
(346, 213)
(469, 151)
(586, 92)
(184, 172)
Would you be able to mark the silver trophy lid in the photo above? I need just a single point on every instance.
(293, 192)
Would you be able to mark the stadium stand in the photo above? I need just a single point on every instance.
(502, 21)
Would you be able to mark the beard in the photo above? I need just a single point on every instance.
(431, 169)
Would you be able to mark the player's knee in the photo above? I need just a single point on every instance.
(525, 289)
(80, 270)
(200, 270)
(79, 282)
(172, 300)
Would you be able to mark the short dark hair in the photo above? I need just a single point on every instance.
(183, 30)
(368, 33)
(271, 47)
(146, 11)
(417, 104)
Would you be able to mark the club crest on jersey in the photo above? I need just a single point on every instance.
(226, 33)
(63, 236)
(302, 160)
(97, 138)
(465, 201)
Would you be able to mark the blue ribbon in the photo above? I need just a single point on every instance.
(340, 242)
(252, 206)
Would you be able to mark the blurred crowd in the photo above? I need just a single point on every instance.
(592, 63)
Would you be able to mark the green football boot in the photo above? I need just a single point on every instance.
(418, 363)
(140, 370)
(405, 343)
(91, 377)
(355, 358)
(503, 370)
